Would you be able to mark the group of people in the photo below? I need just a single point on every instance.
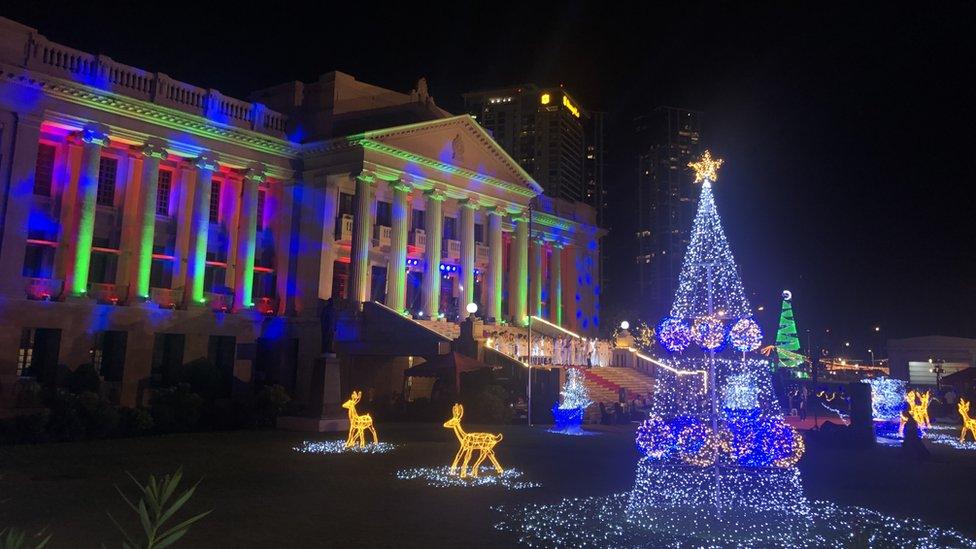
(545, 350)
(623, 411)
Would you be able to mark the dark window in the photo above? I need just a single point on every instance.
(167, 358)
(377, 291)
(39, 261)
(384, 214)
(161, 273)
(261, 198)
(44, 169)
(450, 228)
(345, 204)
(221, 352)
(418, 219)
(108, 354)
(479, 233)
(213, 279)
(103, 267)
(107, 167)
(215, 202)
(37, 355)
(163, 190)
(264, 285)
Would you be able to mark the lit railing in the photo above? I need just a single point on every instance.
(266, 305)
(345, 228)
(166, 298)
(383, 236)
(481, 254)
(418, 239)
(219, 303)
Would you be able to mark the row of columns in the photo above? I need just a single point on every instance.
(138, 226)
(523, 264)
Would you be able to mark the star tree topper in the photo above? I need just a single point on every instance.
(706, 169)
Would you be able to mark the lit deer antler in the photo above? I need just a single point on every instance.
(469, 442)
(358, 423)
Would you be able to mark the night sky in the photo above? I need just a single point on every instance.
(847, 132)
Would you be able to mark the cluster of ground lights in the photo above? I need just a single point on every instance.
(444, 477)
(603, 522)
(339, 447)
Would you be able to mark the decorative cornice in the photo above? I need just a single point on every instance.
(95, 134)
(154, 148)
(207, 161)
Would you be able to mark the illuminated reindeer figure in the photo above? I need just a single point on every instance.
(358, 423)
(968, 423)
(918, 408)
(485, 442)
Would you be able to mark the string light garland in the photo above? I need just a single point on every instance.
(339, 447)
(707, 331)
(445, 477)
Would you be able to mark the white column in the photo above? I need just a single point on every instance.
(494, 273)
(362, 234)
(396, 270)
(433, 225)
(556, 284)
(468, 208)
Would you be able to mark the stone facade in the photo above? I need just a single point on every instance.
(149, 222)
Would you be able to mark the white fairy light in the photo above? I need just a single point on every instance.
(339, 447)
(442, 477)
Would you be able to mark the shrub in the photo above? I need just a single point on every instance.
(202, 377)
(490, 406)
(157, 505)
(175, 409)
(267, 404)
(134, 422)
(84, 378)
(28, 428)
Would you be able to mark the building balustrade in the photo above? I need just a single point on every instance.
(418, 239)
(166, 298)
(102, 72)
(383, 235)
(108, 293)
(44, 289)
(345, 228)
(452, 249)
(219, 302)
(266, 305)
(481, 254)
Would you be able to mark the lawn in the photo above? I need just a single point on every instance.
(264, 494)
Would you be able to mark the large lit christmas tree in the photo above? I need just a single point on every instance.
(719, 457)
(787, 341)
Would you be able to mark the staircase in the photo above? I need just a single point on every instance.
(604, 383)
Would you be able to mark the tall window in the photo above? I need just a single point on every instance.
(384, 214)
(44, 169)
(261, 198)
(479, 233)
(418, 219)
(215, 202)
(163, 190)
(107, 168)
(450, 228)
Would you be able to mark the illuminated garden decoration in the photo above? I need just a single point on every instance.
(887, 403)
(358, 424)
(568, 414)
(787, 342)
(469, 442)
(918, 408)
(968, 423)
(722, 465)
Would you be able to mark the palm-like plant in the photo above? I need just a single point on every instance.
(157, 505)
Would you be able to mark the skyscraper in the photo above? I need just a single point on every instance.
(549, 134)
(668, 138)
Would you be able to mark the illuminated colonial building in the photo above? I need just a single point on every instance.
(149, 222)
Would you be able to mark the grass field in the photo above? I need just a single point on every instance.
(264, 494)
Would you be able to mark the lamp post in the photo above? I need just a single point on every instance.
(871, 352)
(937, 369)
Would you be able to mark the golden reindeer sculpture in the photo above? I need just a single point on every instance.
(968, 423)
(918, 408)
(358, 423)
(485, 442)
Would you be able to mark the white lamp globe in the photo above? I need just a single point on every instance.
(625, 325)
(472, 308)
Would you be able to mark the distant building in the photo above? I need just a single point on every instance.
(668, 138)
(548, 133)
(909, 358)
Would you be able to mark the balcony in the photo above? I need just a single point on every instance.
(166, 298)
(452, 249)
(418, 239)
(481, 255)
(44, 289)
(108, 294)
(382, 235)
(345, 228)
(219, 303)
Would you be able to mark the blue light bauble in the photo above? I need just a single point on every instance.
(745, 335)
(673, 334)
